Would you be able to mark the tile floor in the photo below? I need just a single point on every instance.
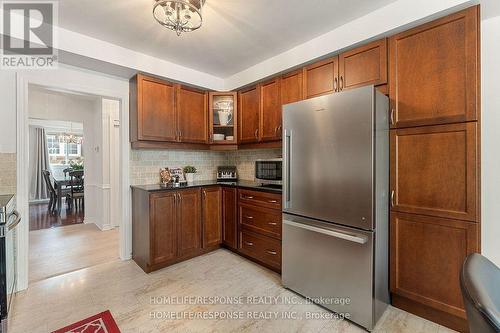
(65, 249)
(133, 298)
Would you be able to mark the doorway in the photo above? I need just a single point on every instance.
(100, 221)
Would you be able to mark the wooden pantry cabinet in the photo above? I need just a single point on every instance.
(434, 71)
(270, 111)
(435, 164)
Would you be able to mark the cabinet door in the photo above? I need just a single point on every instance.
(270, 120)
(212, 216)
(363, 66)
(189, 221)
(249, 107)
(434, 71)
(321, 78)
(292, 87)
(156, 118)
(434, 170)
(229, 217)
(192, 113)
(427, 254)
(163, 227)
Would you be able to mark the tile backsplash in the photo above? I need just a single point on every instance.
(145, 164)
(8, 173)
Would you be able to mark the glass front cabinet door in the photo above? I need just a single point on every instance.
(223, 118)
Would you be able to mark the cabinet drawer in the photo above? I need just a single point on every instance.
(264, 199)
(262, 248)
(261, 220)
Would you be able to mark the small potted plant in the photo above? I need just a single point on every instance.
(189, 172)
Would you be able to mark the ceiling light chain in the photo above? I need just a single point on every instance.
(179, 15)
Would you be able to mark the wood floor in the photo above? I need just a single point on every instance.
(41, 218)
(60, 250)
(138, 301)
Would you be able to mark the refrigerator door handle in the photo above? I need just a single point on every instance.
(287, 147)
(329, 232)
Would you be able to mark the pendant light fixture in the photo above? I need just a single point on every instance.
(179, 15)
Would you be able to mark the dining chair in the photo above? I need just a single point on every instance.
(76, 196)
(480, 281)
(50, 188)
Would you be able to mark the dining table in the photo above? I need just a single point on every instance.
(61, 183)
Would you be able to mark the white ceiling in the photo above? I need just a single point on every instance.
(235, 35)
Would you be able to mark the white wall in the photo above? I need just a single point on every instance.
(490, 136)
(8, 111)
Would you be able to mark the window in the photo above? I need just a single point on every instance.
(61, 153)
(53, 145)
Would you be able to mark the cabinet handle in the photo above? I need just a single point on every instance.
(392, 198)
(335, 86)
(272, 252)
(272, 223)
(247, 197)
(276, 131)
(272, 201)
(257, 133)
(392, 116)
(249, 243)
(204, 193)
(341, 83)
(248, 217)
(279, 130)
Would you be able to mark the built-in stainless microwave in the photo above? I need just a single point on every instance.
(269, 171)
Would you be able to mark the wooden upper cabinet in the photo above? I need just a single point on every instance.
(192, 115)
(292, 87)
(427, 254)
(434, 171)
(153, 116)
(189, 222)
(212, 216)
(363, 66)
(270, 119)
(321, 78)
(434, 71)
(163, 227)
(248, 120)
(229, 217)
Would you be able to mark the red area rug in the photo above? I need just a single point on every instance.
(100, 323)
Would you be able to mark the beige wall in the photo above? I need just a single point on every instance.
(145, 164)
(7, 173)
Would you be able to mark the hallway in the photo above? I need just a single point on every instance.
(61, 250)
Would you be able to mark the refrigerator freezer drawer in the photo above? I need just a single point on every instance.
(323, 260)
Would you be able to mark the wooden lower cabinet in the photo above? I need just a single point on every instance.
(427, 254)
(163, 227)
(260, 225)
(264, 249)
(212, 216)
(230, 217)
(188, 222)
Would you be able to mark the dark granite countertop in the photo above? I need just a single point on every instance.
(240, 184)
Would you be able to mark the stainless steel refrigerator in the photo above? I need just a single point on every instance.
(335, 202)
